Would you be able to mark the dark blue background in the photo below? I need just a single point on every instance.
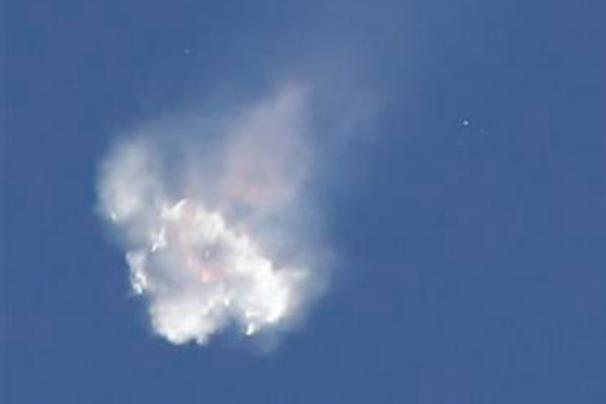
(474, 257)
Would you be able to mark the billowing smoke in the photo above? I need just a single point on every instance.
(214, 218)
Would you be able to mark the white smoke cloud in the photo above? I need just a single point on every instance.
(209, 226)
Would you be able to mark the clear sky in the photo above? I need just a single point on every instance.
(465, 204)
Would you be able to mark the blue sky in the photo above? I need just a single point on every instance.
(471, 256)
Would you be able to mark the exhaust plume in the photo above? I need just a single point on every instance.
(213, 224)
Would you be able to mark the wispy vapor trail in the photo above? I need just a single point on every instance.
(208, 226)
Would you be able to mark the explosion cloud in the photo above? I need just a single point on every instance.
(208, 226)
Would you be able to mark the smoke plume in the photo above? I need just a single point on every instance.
(214, 218)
